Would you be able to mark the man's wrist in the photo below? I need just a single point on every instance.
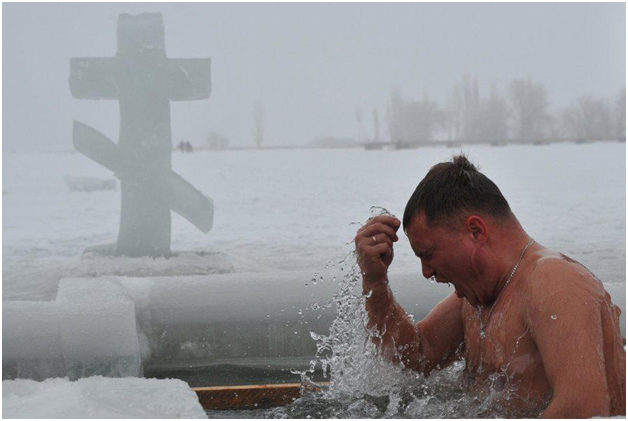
(377, 292)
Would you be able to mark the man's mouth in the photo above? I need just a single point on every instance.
(441, 280)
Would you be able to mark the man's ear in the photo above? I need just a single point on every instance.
(476, 226)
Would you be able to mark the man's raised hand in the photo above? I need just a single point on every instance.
(374, 247)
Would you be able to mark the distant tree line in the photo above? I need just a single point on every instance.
(521, 113)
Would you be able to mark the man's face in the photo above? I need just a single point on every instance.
(446, 254)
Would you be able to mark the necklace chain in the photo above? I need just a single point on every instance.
(512, 273)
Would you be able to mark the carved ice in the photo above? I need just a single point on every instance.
(144, 81)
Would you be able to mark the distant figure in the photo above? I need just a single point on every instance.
(185, 146)
(530, 322)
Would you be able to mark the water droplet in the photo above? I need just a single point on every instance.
(307, 285)
(268, 315)
(553, 317)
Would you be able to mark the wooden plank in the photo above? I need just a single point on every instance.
(249, 396)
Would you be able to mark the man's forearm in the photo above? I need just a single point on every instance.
(397, 336)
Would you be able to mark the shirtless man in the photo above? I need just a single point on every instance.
(527, 320)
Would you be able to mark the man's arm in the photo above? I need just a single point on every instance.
(428, 345)
(565, 319)
(423, 347)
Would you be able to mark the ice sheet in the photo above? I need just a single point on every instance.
(99, 397)
(98, 329)
(31, 345)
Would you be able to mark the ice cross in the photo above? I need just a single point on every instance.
(144, 81)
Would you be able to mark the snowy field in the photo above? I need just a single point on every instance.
(293, 210)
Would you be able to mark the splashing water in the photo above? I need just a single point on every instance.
(364, 385)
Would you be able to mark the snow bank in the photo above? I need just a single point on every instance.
(115, 326)
(98, 332)
(99, 397)
(31, 345)
(41, 281)
(260, 315)
(89, 330)
(112, 326)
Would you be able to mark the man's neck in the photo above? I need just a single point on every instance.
(511, 248)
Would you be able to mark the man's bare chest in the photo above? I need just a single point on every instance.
(506, 349)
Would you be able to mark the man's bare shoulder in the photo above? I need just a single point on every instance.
(553, 272)
(555, 278)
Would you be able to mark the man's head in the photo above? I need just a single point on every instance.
(452, 189)
(448, 221)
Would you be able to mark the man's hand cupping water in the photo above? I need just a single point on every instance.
(374, 247)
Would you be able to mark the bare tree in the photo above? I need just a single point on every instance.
(529, 106)
(425, 119)
(453, 114)
(375, 125)
(620, 114)
(492, 122)
(359, 117)
(462, 113)
(556, 128)
(589, 118)
(413, 121)
(394, 116)
(471, 100)
(258, 119)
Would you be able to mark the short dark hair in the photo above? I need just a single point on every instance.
(453, 187)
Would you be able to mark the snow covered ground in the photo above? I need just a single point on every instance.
(293, 210)
(99, 397)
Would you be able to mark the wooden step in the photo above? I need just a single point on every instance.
(250, 396)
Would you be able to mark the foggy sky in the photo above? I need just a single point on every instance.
(309, 64)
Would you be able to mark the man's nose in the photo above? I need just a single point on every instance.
(428, 272)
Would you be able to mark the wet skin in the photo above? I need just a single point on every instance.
(553, 341)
